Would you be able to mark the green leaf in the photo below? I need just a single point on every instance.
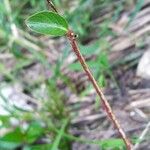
(5, 120)
(102, 81)
(90, 49)
(57, 141)
(34, 132)
(12, 139)
(77, 66)
(103, 61)
(48, 23)
(114, 144)
(38, 147)
(4, 145)
(13, 136)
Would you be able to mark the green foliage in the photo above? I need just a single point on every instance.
(12, 139)
(48, 23)
(38, 147)
(57, 141)
(101, 81)
(34, 131)
(113, 144)
(4, 121)
(19, 135)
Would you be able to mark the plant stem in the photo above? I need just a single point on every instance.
(52, 5)
(72, 39)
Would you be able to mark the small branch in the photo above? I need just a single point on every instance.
(72, 39)
(52, 5)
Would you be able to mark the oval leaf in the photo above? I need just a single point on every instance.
(48, 23)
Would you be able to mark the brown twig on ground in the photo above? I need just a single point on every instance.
(72, 38)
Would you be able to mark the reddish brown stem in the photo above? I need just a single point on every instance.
(72, 39)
